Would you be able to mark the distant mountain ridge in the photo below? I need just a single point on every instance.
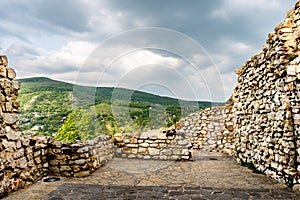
(105, 93)
(47, 103)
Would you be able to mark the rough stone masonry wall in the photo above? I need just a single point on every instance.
(79, 159)
(164, 145)
(21, 160)
(210, 129)
(25, 160)
(267, 104)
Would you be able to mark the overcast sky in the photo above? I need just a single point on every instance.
(185, 49)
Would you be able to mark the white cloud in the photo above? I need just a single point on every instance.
(35, 61)
(143, 57)
(231, 54)
(106, 22)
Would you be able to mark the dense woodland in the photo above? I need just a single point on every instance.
(71, 112)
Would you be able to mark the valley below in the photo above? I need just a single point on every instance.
(71, 112)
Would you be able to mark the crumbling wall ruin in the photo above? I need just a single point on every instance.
(260, 124)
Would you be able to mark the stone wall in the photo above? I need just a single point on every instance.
(210, 129)
(25, 160)
(260, 124)
(79, 159)
(267, 104)
(154, 144)
(21, 159)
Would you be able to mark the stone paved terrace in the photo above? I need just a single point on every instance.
(209, 176)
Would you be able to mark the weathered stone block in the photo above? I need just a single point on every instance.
(133, 141)
(3, 60)
(25, 141)
(144, 144)
(84, 155)
(18, 144)
(153, 151)
(65, 168)
(74, 145)
(167, 152)
(134, 151)
(54, 170)
(131, 156)
(3, 71)
(185, 152)
(154, 145)
(297, 119)
(52, 162)
(185, 157)
(80, 161)
(83, 150)
(16, 85)
(12, 135)
(118, 137)
(132, 145)
(162, 145)
(22, 162)
(10, 118)
(19, 153)
(11, 74)
(142, 150)
(8, 145)
(183, 142)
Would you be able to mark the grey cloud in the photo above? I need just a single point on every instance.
(27, 19)
(68, 14)
(179, 84)
(19, 50)
(194, 18)
(28, 59)
(85, 20)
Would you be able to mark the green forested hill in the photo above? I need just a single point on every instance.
(47, 106)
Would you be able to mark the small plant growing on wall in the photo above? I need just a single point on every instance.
(290, 182)
(251, 166)
(291, 57)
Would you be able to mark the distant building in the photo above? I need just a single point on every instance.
(37, 127)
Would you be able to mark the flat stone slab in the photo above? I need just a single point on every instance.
(85, 191)
(209, 176)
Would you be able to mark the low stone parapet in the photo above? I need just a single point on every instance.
(154, 144)
(79, 159)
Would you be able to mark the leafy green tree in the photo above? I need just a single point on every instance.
(81, 124)
(87, 124)
(68, 131)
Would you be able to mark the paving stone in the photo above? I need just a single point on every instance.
(221, 178)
